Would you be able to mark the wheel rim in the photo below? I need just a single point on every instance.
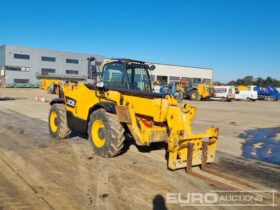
(53, 122)
(193, 95)
(98, 133)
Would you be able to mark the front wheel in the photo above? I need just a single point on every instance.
(194, 95)
(58, 122)
(105, 133)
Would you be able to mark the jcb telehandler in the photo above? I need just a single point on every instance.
(195, 90)
(120, 99)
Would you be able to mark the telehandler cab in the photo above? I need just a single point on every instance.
(120, 99)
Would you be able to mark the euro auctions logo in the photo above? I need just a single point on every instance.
(192, 198)
(224, 198)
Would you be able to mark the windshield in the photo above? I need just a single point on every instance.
(220, 89)
(114, 75)
(138, 78)
(132, 76)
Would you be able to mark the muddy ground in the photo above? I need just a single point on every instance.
(37, 172)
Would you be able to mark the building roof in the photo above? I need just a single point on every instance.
(11, 45)
(37, 48)
(196, 67)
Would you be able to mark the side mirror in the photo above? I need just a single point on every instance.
(152, 67)
(100, 84)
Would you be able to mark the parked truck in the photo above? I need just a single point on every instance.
(249, 94)
(223, 93)
(267, 93)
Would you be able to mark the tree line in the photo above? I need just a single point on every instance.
(250, 80)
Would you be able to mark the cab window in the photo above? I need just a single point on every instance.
(114, 75)
(138, 78)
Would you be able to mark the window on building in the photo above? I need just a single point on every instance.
(162, 79)
(21, 80)
(13, 68)
(46, 71)
(185, 78)
(196, 80)
(72, 72)
(152, 77)
(75, 61)
(46, 58)
(22, 56)
(17, 68)
(206, 81)
(27, 69)
(173, 79)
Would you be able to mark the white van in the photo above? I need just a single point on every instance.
(249, 95)
(223, 93)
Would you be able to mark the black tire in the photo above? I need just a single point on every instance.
(181, 96)
(224, 99)
(194, 95)
(60, 121)
(113, 134)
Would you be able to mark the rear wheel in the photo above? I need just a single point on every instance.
(58, 122)
(248, 99)
(105, 133)
(194, 95)
(181, 95)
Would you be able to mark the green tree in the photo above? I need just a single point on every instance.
(259, 82)
(232, 82)
(249, 80)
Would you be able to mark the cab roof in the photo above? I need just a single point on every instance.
(127, 60)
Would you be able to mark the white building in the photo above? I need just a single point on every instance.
(167, 73)
(25, 64)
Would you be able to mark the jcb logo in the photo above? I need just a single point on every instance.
(70, 102)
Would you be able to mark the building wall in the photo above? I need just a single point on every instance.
(2, 62)
(2, 55)
(182, 72)
(36, 64)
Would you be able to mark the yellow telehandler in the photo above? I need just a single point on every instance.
(195, 91)
(200, 92)
(119, 99)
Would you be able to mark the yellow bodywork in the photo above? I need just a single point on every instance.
(204, 90)
(149, 120)
(45, 83)
(179, 87)
(242, 87)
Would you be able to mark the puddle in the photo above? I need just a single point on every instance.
(262, 144)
